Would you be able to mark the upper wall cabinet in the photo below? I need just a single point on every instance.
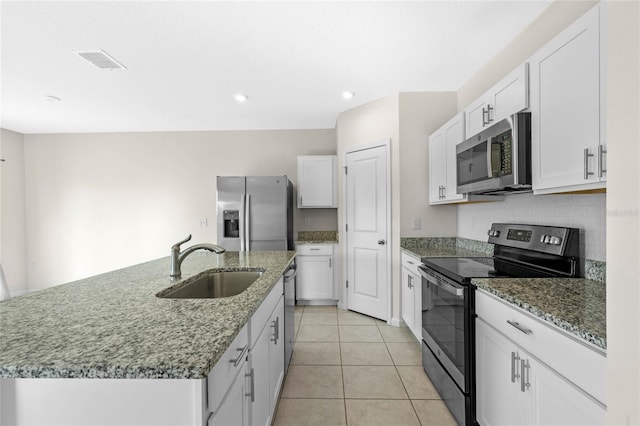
(442, 162)
(317, 181)
(508, 96)
(568, 118)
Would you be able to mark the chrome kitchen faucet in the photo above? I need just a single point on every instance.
(177, 257)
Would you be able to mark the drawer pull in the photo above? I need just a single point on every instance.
(409, 262)
(314, 249)
(519, 327)
(243, 352)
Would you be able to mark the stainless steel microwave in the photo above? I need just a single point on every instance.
(498, 160)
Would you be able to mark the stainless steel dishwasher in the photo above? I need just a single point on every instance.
(289, 313)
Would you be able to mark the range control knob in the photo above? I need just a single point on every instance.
(547, 239)
(542, 238)
(494, 233)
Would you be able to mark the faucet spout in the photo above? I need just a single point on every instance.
(177, 257)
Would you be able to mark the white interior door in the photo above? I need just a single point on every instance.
(367, 202)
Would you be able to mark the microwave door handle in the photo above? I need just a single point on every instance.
(457, 291)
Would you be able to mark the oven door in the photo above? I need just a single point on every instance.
(446, 327)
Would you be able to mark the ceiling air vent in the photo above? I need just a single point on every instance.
(101, 59)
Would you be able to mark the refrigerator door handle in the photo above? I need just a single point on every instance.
(242, 222)
(247, 215)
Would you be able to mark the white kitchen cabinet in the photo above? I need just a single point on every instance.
(267, 359)
(568, 119)
(509, 96)
(317, 181)
(316, 281)
(530, 374)
(412, 295)
(443, 163)
(234, 410)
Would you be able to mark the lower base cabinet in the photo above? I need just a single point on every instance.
(412, 295)
(234, 410)
(242, 388)
(316, 280)
(267, 368)
(516, 387)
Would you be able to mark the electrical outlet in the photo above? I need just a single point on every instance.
(204, 222)
(415, 224)
(307, 221)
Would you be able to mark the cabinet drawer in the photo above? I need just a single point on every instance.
(262, 314)
(315, 249)
(411, 263)
(580, 364)
(226, 369)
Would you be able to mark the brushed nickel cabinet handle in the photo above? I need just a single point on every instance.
(524, 368)
(519, 327)
(587, 173)
(601, 169)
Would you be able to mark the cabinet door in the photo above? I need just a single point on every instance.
(442, 162)
(475, 116)
(317, 183)
(234, 409)
(315, 277)
(454, 134)
(437, 165)
(276, 354)
(509, 96)
(408, 299)
(260, 405)
(498, 396)
(417, 303)
(552, 400)
(565, 107)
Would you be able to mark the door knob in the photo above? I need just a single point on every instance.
(381, 242)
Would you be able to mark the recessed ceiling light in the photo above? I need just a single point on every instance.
(348, 95)
(240, 97)
(51, 98)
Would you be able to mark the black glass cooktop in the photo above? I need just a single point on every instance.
(462, 269)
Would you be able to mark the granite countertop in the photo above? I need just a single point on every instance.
(302, 242)
(317, 237)
(113, 326)
(445, 247)
(576, 305)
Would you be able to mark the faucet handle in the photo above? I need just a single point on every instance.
(177, 245)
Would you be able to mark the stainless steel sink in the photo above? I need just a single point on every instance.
(213, 284)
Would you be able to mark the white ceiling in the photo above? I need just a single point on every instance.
(186, 60)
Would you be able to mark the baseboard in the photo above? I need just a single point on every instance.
(396, 322)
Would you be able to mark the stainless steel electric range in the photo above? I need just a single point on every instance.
(448, 301)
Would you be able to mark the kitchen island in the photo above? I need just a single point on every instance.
(112, 326)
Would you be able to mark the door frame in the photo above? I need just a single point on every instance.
(344, 302)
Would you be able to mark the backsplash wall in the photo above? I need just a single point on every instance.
(586, 212)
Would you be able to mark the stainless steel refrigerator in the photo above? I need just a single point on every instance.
(255, 213)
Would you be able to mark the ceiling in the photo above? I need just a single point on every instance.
(186, 60)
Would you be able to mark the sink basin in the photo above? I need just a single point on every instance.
(212, 285)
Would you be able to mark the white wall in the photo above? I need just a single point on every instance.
(586, 212)
(98, 202)
(12, 207)
(420, 115)
(623, 215)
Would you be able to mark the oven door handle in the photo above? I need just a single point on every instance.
(450, 288)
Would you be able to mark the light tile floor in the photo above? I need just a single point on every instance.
(350, 369)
